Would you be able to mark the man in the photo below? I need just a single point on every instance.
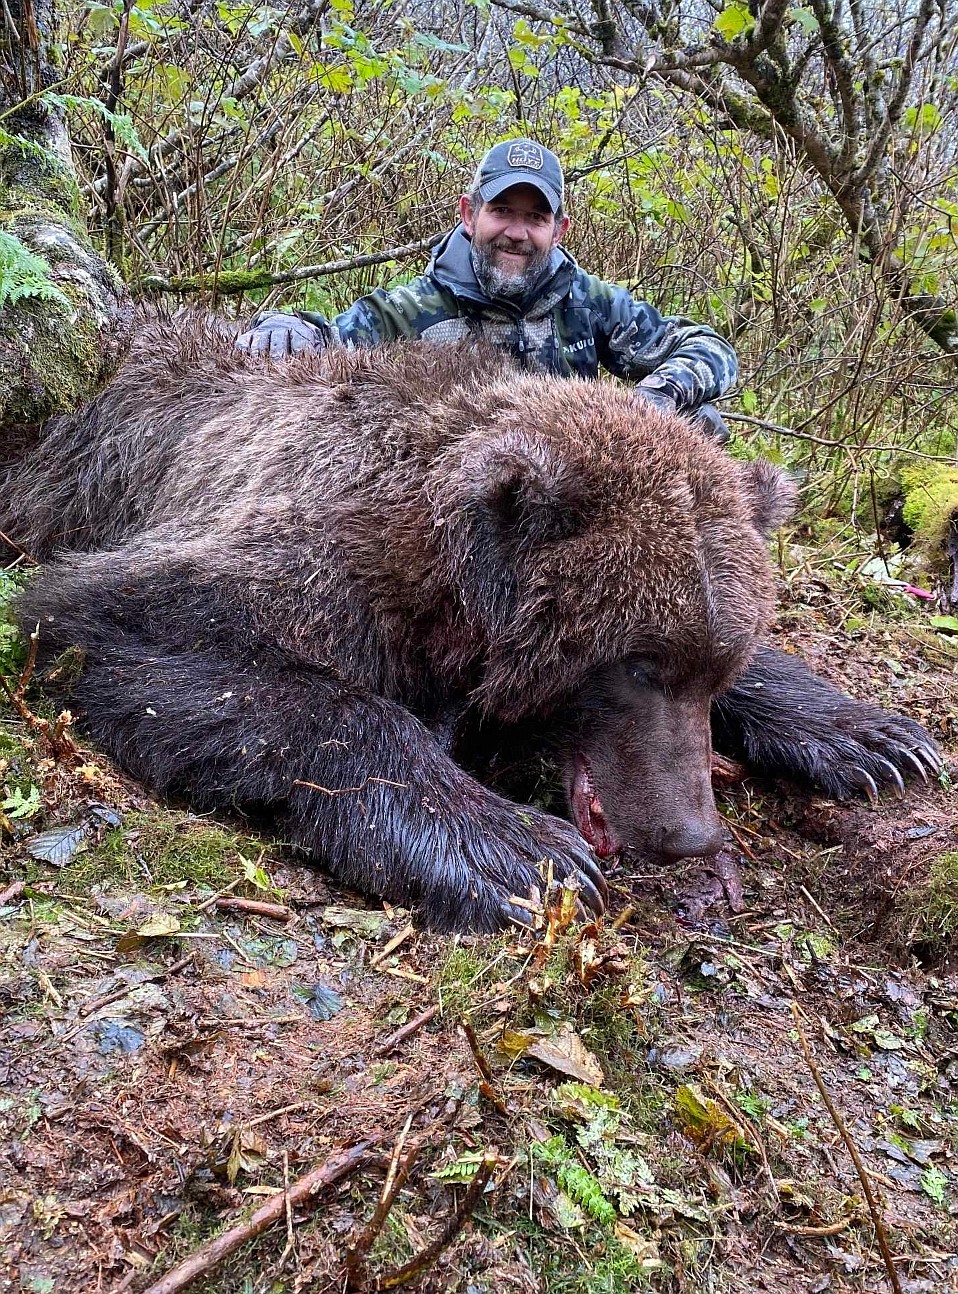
(503, 276)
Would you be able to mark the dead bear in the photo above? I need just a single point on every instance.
(334, 589)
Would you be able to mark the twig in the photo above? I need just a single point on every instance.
(877, 1220)
(487, 1087)
(22, 551)
(210, 1255)
(274, 1114)
(215, 898)
(808, 898)
(833, 1228)
(623, 918)
(349, 790)
(61, 743)
(203, 282)
(832, 444)
(13, 891)
(94, 1004)
(278, 910)
(393, 944)
(426, 1257)
(396, 1177)
(407, 1030)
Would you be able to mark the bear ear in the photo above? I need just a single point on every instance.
(521, 491)
(772, 493)
(503, 498)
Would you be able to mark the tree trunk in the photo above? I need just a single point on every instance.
(65, 318)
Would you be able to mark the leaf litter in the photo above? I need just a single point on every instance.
(236, 1051)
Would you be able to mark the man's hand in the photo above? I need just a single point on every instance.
(280, 335)
(706, 417)
(655, 396)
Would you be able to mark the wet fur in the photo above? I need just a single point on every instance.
(311, 587)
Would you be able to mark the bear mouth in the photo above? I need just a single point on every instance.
(588, 812)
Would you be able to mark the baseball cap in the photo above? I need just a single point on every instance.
(520, 161)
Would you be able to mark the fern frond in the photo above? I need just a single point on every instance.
(23, 274)
(123, 126)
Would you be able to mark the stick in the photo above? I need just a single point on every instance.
(278, 910)
(396, 1178)
(426, 1257)
(407, 1030)
(210, 1255)
(873, 1209)
(198, 282)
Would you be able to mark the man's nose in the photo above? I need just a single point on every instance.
(517, 228)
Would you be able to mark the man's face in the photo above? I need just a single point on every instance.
(512, 237)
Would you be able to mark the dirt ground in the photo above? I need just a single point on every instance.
(689, 1099)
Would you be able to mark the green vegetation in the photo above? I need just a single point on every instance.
(162, 847)
(931, 910)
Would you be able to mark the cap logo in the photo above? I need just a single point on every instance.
(526, 157)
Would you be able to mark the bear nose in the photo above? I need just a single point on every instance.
(692, 838)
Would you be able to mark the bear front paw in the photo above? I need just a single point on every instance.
(887, 749)
(504, 866)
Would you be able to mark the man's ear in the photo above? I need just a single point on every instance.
(562, 227)
(466, 214)
(772, 493)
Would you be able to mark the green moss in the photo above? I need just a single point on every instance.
(456, 980)
(34, 181)
(160, 848)
(931, 502)
(932, 909)
(226, 282)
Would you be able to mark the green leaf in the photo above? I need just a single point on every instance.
(805, 19)
(23, 274)
(933, 1183)
(427, 41)
(923, 120)
(101, 20)
(748, 401)
(123, 127)
(18, 805)
(463, 1170)
(944, 624)
(336, 79)
(734, 20)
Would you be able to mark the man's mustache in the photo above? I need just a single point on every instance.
(507, 245)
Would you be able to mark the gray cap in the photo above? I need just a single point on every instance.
(520, 161)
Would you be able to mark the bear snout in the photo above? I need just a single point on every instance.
(694, 836)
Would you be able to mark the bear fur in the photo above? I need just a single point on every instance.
(344, 588)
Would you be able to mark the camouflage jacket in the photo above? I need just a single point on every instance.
(570, 325)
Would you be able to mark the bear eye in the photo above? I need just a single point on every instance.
(639, 672)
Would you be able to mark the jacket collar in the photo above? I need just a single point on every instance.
(451, 266)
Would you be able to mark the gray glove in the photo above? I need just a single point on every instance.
(280, 335)
(706, 418)
(655, 396)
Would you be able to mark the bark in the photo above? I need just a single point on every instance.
(53, 353)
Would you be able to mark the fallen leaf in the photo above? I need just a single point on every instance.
(567, 1053)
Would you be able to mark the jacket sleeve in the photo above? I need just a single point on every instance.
(690, 362)
(380, 317)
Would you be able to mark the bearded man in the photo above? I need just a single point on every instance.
(501, 275)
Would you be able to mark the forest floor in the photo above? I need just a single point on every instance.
(687, 1099)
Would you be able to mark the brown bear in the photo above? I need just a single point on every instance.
(340, 589)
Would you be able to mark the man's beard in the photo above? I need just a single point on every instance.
(499, 283)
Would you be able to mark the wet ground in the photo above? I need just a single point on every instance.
(692, 1098)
